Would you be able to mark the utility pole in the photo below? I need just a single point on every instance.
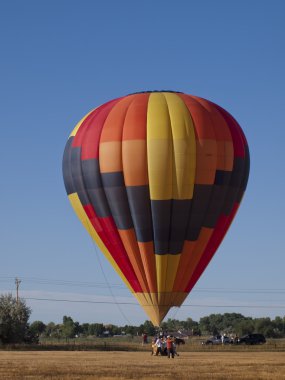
(17, 282)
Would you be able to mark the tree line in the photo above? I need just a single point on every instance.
(15, 326)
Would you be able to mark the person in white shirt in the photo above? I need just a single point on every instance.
(158, 344)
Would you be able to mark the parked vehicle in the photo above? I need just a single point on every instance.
(252, 339)
(217, 340)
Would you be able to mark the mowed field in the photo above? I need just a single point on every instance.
(73, 365)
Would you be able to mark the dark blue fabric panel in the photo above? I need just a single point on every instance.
(91, 173)
(199, 209)
(245, 175)
(66, 168)
(222, 177)
(77, 175)
(99, 202)
(180, 213)
(161, 219)
(237, 176)
(116, 194)
(140, 207)
(215, 205)
(94, 187)
(113, 179)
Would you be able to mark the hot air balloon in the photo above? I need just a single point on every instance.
(156, 178)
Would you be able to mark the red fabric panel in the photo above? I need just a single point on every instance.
(88, 123)
(107, 231)
(77, 140)
(222, 226)
(238, 137)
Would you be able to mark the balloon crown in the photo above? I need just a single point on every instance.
(149, 91)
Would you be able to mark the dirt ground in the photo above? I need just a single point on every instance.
(57, 365)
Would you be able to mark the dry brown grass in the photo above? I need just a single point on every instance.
(140, 365)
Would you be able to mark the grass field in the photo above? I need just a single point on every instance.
(55, 365)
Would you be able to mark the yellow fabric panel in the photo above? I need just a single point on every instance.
(166, 268)
(159, 148)
(156, 312)
(171, 271)
(161, 267)
(150, 309)
(171, 148)
(76, 204)
(184, 147)
(73, 133)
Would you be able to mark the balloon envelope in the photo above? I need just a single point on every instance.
(156, 178)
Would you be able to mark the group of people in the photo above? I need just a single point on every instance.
(164, 346)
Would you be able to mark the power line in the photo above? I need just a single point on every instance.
(61, 282)
(79, 301)
(121, 286)
(136, 304)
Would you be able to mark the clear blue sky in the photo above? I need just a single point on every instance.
(59, 59)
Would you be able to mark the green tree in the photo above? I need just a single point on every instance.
(164, 326)
(266, 327)
(211, 324)
(14, 318)
(279, 327)
(50, 329)
(191, 325)
(96, 329)
(244, 327)
(37, 328)
(113, 329)
(149, 329)
(173, 324)
(85, 329)
(68, 329)
(218, 323)
(132, 330)
(53, 330)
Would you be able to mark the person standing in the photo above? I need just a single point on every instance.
(169, 346)
(158, 344)
(144, 338)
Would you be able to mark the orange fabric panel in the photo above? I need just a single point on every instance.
(148, 259)
(226, 159)
(206, 145)
(187, 252)
(134, 154)
(113, 126)
(201, 118)
(129, 241)
(191, 255)
(110, 157)
(136, 118)
(225, 150)
(221, 130)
